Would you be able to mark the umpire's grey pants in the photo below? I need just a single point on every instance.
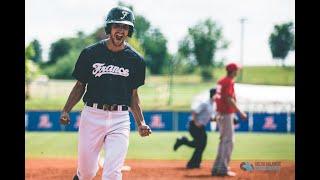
(226, 128)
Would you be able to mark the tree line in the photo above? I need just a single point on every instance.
(196, 50)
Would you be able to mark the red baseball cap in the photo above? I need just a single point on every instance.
(232, 67)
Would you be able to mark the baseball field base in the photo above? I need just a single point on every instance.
(64, 169)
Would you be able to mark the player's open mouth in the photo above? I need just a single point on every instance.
(118, 37)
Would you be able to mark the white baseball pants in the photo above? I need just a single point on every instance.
(107, 129)
(227, 139)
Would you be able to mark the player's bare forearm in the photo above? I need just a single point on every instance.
(144, 130)
(74, 97)
(136, 109)
(193, 114)
(233, 103)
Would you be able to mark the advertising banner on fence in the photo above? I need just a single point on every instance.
(266, 122)
(164, 121)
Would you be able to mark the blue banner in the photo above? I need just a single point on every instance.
(162, 121)
(42, 121)
(241, 125)
(183, 118)
(183, 121)
(159, 121)
(270, 122)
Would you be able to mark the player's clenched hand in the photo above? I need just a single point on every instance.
(144, 130)
(64, 118)
(243, 115)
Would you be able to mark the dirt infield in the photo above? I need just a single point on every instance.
(64, 169)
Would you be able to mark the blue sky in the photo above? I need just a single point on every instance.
(48, 20)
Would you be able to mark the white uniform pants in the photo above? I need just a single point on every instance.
(107, 129)
(227, 139)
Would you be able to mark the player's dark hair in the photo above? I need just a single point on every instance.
(229, 72)
(212, 92)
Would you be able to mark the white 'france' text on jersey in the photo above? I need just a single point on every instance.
(100, 69)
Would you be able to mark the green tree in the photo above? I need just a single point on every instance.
(29, 51)
(37, 58)
(80, 41)
(135, 43)
(99, 34)
(281, 41)
(58, 49)
(201, 44)
(184, 57)
(31, 69)
(142, 25)
(155, 46)
(64, 67)
(68, 56)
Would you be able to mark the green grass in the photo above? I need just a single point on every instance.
(264, 75)
(248, 146)
(154, 94)
(269, 75)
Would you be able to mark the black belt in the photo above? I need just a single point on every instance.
(108, 107)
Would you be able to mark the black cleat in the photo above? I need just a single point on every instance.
(75, 177)
(176, 145)
(192, 166)
(179, 142)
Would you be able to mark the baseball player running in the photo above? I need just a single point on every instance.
(108, 73)
(226, 109)
(201, 115)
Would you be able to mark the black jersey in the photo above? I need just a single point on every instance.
(110, 76)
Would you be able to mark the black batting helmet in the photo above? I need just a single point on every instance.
(122, 15)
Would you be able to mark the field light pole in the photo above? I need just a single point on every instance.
(242, 20)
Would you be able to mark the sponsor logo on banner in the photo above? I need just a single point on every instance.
(269, 123)
(44, 121)
(156, 121)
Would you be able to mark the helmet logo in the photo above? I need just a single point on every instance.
(125, 13)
